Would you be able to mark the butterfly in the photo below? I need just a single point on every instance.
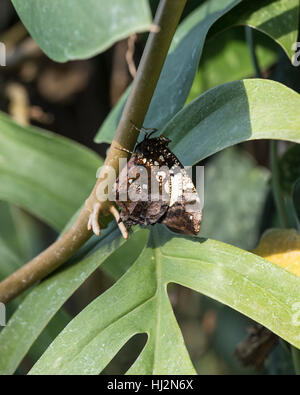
(166, 193)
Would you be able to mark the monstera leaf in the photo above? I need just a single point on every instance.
(296, 198)
(138, 303)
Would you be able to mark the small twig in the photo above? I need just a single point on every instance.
(38, 114)
(14, 35)
(277, 191)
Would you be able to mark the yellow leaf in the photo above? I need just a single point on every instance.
(282, 247)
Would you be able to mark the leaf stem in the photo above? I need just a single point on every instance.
(284, 222)
(250, 42)
(296, 359)
(277, 191)
(167, 18)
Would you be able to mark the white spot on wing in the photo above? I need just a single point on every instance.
(176, 190)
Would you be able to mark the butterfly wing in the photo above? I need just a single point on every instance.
(181, 211)
(184, 214)
(140, 212)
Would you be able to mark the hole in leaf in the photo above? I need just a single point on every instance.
(121, 260)
(203, 323)
(96, 284)
(126, 357)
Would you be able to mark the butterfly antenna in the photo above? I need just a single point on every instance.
(147, 131)
(138, 129)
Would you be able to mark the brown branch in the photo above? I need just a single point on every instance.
(167, 18)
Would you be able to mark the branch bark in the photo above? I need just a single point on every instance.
(167, 18)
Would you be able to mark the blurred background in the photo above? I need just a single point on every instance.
(73, 99)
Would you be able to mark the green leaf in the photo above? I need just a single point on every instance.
(20, 232)
(138, 303)
(43, 302)
(279, 19)
(234, 196)
(55, 326)
(9, 260)
(110, 124)
(8, 229)
(229, 59)
(232, 113)
(46, 174)
(296, 198)
(179, 70)
(73, 29)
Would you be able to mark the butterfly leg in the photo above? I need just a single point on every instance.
(120, 223)
(93, 223)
